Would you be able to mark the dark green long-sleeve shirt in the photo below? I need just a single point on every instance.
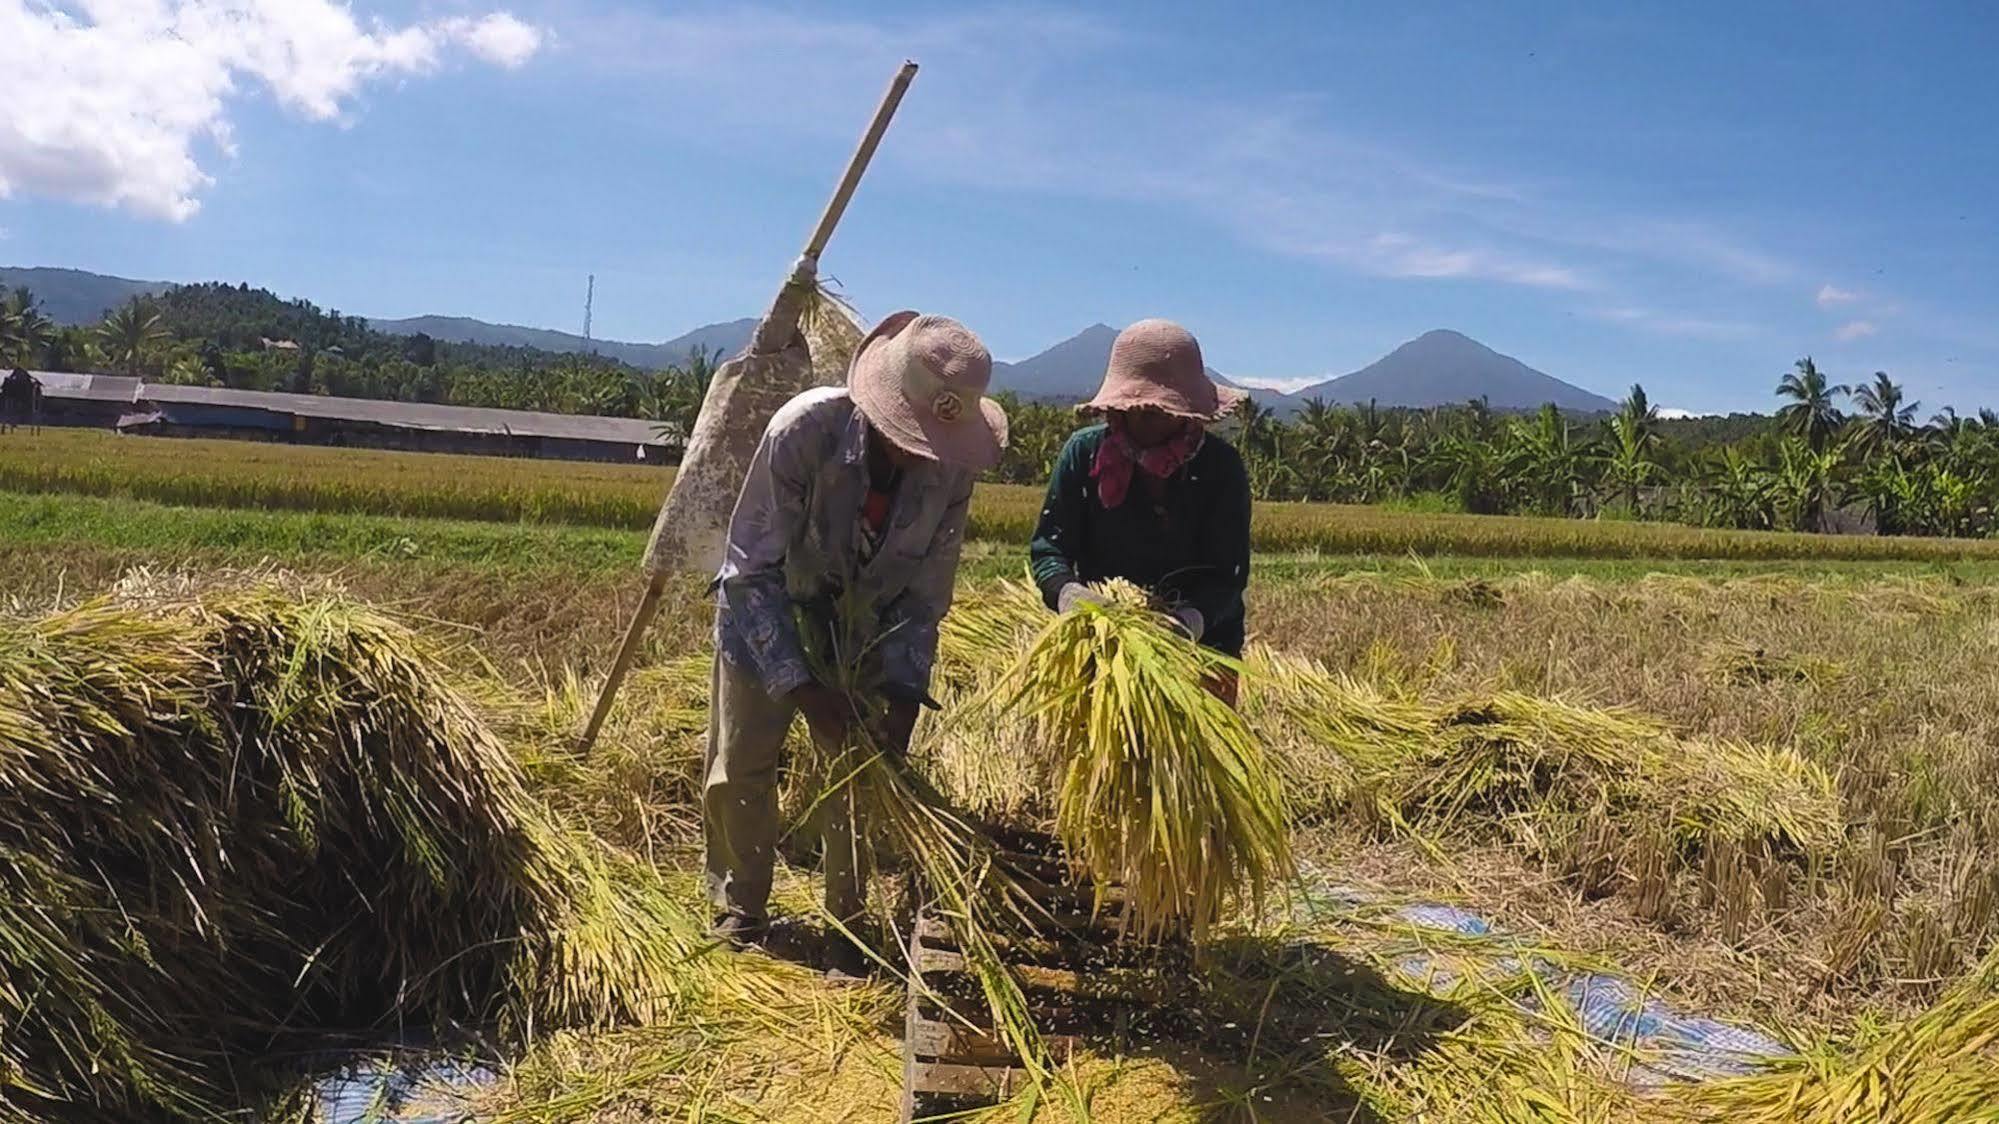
(1186, 538)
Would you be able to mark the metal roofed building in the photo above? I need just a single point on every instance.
(134, 406)
(85, 400)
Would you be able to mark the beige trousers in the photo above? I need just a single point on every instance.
(739, 815)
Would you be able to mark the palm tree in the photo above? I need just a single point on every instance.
(1256, 428)
(1327, 450)
(1473, 472)
(1640, 415)
(1807, 480)
(1888, 418)
(1811, 414)
(186, 370)
(1740, 493)
(25, 333)
(1627, 461)
(685, 389)
(1546, 462)
(131, 333)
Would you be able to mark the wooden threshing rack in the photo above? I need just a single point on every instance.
(1079, 978)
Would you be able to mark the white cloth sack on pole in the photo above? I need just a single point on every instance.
(806, 340)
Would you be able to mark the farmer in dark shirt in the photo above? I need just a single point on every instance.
(1149, 495)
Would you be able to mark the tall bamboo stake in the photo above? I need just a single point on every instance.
(768, 331)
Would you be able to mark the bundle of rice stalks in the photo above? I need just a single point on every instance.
(986, 768)
(1160, 785)
(1524, 763)
(895, 808)
(1511, 755)
(241, 830)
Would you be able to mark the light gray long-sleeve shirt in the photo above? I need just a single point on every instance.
(796, 537)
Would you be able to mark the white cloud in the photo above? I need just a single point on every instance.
(1283, 385)
(499, 39)
(1680, 243)
(1672, 324)
(1674, 412)
(109, 101)
(1399, 255)
(1854, 330)
(1830, 294)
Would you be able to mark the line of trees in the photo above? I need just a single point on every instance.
(1830, 457)
(250, 339)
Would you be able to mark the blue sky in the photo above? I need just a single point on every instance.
(1685, 195)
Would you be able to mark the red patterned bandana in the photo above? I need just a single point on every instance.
(1117, 457)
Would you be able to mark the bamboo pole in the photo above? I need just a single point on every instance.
(822, 233)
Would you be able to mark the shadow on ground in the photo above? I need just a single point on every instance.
(1260, 1040)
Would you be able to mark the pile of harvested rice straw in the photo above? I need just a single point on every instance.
(1531, 770)
(241, 831)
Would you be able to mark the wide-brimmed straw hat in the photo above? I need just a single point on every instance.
(1157, 363)
(921, 381)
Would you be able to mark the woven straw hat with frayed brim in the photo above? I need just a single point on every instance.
(921, 381)
(1157, 363)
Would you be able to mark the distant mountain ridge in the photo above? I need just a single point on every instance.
(74, 296)
(1438, 368)
(1072, 370)
(727, 338)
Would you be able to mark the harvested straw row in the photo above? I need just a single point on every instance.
(1533, 768)
(1941, 1066)
(1510, 1063)
(1486, 1038)
(242, 829)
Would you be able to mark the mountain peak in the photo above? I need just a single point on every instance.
(1071, 370)
(1444, 334)
(1443, 367)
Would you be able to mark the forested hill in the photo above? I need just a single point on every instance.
(233, 335)
(725, 339)
(240, 318)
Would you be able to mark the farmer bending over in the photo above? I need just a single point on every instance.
(1149, 495)
(853, 511)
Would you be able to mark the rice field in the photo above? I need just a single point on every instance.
(272, 477)
(1744, 785)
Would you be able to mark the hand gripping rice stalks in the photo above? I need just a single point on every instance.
(1159, 785)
